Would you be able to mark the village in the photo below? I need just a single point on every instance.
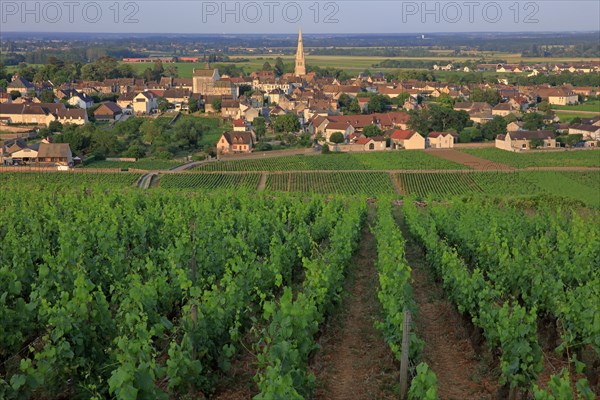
(363, 114)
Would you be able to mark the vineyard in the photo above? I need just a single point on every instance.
(509, 271)
(413, 160)
(132, 294)
(64, 180)
(135, 296)
(354, 183)
(581, 186)
(210, 181)
(574, 158)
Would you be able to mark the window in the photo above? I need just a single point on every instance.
(372, 146)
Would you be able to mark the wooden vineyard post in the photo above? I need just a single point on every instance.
(404, 356)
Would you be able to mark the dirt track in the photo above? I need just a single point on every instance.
(476, 163)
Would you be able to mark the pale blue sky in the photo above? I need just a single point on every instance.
(282, 16)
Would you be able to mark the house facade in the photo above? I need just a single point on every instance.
(407, 139)
(235, 142)
(440, 140)
(521, 140)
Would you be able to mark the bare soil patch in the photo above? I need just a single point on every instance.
(354, 361)
(476, 163)
(463, 370)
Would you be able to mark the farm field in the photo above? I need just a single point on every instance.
(592, 106)
(68, 180)
(210, 181)
(412, 160)
(566, 116)
(582, 186)
(371, 184)
(486, 257)
(145, 300)
(573, 158)
(194, 281)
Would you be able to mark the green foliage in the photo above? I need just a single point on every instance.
(395, 293)
(412, 160)
(539, 159)
(533, 121)
(337, 138)
(372, 130)
(201, 181)
(536, 142)
(490, 96)
(287, 123)
(47, 96)
(55, 126)
(216, 104)
(378, 103)
(325, 149)
(493, 128)
(355, 183)
(437, 118)
(424, 384)
(559, 388)
(260, 126)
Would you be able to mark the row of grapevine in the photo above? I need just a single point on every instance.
(209, 181)
(383, 161)
(443, 185)
(294, 319)
(63, 179)
(353, 183)
(395, 294)
(524, 267)
(139, 295)
(557, 253)
(505, 324)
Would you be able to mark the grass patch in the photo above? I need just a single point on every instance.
(534, 158)
(592, 106)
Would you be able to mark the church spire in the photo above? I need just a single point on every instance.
(300, 69)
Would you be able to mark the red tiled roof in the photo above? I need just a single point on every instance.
(403, 134)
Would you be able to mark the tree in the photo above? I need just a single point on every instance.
(162, 104)
(286, 123)
(14, 94)
(135, 151)
(337, 137)
(446, 100)
(47, 96)
(354, 107)
(372, 130)
(533, 121)
(490, 96)
(493, 128)
(545, 106)
(570, 140)
(536, 142)
(260, 127)
(55, 126)
(325, 149)
(279, 67)
(510, 118)
(192, 104)
(267, 67)
(216, 104)
(378, 103)
(344, 101)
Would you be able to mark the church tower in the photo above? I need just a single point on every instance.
(300, 66)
